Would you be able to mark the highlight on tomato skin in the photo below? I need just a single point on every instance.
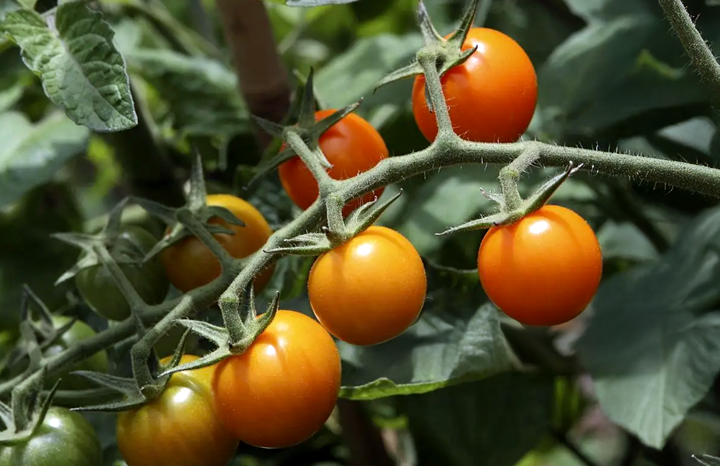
(283, 388)
(491, 97)
(542, 270)
(181, 427)
(370, 289)
(352, 146)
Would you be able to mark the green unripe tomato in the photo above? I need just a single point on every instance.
(97, 362)
(99, 290)
(65, 438)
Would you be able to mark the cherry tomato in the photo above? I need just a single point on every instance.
(190, 264)
(491, 97)
(352, 146)
(543, 269)
(65, 438)
(99, 290)
(98, 362)
(180, 428)
(370, 289)
(282, 389)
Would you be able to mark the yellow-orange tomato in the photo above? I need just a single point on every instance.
(189, 263)
(351, 146)
(180, 428)
(370, 289)
(543, 269)
(491, 97)
(282, 389)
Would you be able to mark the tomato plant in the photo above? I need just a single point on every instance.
(351, 146)
(543, 269)
(190, 264)
(78, 332)
(282, 389)
(64, 438)
(370, 289)
(491, 97)
(99, 290)
(181, 427)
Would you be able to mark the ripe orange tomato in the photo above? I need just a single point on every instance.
(352, 146)
(181, 427)
(491, 97)
(282, 389)
(189, 263)
(370, 289)
(543, 269)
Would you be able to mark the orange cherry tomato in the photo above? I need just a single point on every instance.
(180, 428)
(351, 146)
(370, 289)
(491, 97)
(283, 388)
(189, 263)
(543, 269)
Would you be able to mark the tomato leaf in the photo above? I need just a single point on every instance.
(32, 154)
(457, 339)
(653, 345)
(624, 64)
(81, 70)
(491, 422)
(201, 93)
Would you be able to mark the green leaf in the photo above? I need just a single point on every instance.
(201, 93)
(653, 345)
(623, 65)
(355, 74)
(32, 154)
(625, 241)
(80, 68)
(457, 339)
(494, 422)
(10, 96)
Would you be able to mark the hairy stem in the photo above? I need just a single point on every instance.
(701, 56)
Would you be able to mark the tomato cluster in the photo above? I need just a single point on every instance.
(541, 270)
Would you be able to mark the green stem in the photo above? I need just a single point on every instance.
(510, 175)
(230, 308)
(701, 56)
(428, 61)
(196, 228)
(126, 288)
(311, 161)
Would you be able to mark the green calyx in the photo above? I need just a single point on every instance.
(301, 135)
(338, 231)
(512, 206)
(444, 53)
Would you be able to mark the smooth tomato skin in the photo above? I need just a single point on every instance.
(543, 269)
(370, 289)
(351, 146)
(99, 290)
(282, 389)
(189, 263)
(491, 97)
(65, 438)
(98, 362)
(180, 428)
